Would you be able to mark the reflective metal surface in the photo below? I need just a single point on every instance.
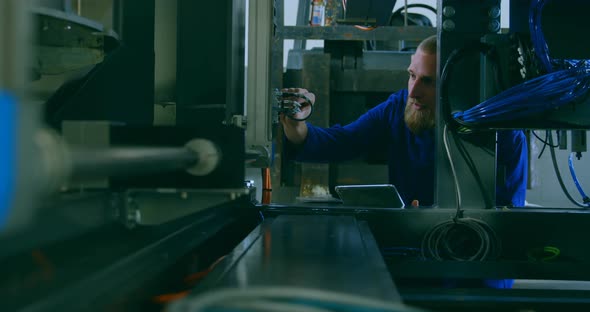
(335, 253)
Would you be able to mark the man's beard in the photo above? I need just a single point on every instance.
(418, 120)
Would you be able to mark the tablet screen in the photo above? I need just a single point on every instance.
(370, 195)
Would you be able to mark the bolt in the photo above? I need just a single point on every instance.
(494, 26)
(449, 11)
(448, 25)
(494, 12)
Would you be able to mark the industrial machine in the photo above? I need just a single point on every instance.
(143, 166)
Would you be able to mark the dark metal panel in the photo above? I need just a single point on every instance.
(210, 68)
(334, 253)
(203, 33)
(235, 54)
(519, 13)
(563, 22)
(121, 88)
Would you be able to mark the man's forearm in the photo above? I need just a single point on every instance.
(295, 131)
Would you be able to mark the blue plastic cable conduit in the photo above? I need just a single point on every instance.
(8, 154)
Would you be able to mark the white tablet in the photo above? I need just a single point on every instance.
(370, 195)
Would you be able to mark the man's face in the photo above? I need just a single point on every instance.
(420, 108)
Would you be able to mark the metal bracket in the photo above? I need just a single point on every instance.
(154, 207)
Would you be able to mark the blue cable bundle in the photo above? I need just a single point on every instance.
(533, 96)
(566, 81)
(539, 43)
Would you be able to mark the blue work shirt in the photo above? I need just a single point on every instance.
(410, 157)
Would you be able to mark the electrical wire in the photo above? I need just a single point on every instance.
(170, 297)
(533, 96)
(546, 253)
(539, 43)
(298, 299)
(454, 173)
(364, 28)
(473, 169)
(447, 240)
(547, 132)
(410, 6)
(450, 239)
(559, 179)
(415, 5)
(189, 280)
(585, 198)
(569, 84)
(195, 277)
(545, 143)
(454, 57)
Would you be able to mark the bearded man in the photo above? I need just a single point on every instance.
(405, 124)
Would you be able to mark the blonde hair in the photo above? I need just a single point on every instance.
(428, 45)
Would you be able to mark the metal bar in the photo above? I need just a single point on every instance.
(303, 11)
(259, 111)
(121, 161)
(14, 31)
(67, 6)
(347, 32)
(406, 13)
(473, 299)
